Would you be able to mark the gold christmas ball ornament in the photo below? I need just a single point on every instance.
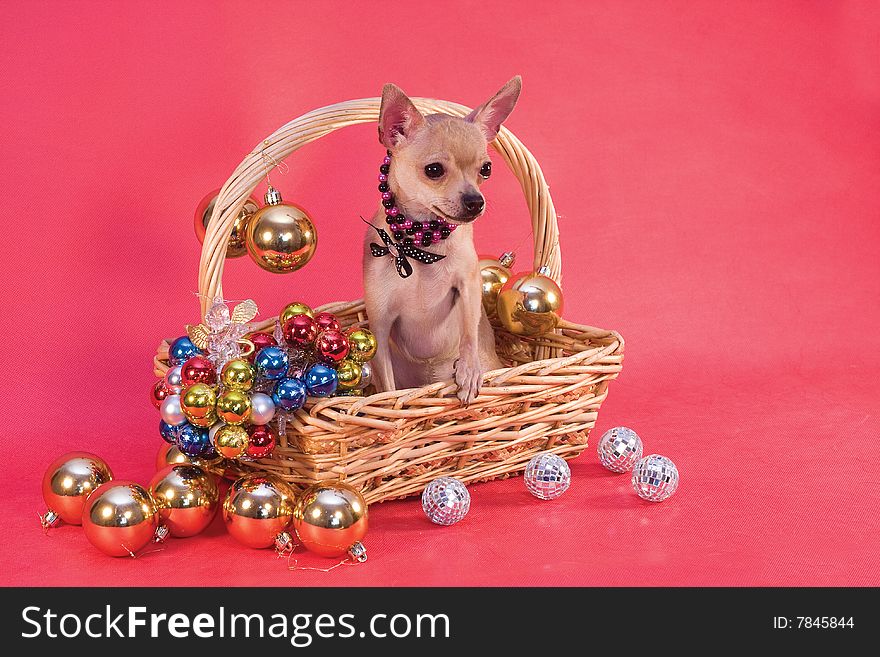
(362, 345)
(68, 482)
(281, 237)
(120, 518)
(198, 403)
(236, 246)
(234, 407)
(237, 374)
(494, 273)
(294, 309)
(257, 509)
(348, 374)
(329, 518)
(530, 303)
(186, 496)
(231, 441)
(170, 455)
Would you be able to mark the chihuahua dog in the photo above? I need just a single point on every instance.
(427, 315)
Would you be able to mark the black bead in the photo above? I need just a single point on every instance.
(411, 231)
(389, 220)
(408, 240)
(384, 168)
(398, 235)
(388, 152)
(426, 240)
(445, 232)
(388, 203)
(434, 224)
(383, 187)
(417, 225)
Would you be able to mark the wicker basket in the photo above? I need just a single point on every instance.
(391, 444)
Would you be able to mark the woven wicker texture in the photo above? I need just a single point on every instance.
(392, 444)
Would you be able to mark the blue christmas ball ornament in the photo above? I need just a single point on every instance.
(289, 394)
(271, 363)
(181, 350)
(168, 432)
(193, 440)
(321, 380)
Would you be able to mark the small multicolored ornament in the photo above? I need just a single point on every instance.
(294, 309)
(547, 476)
(171, 411)
(198, 369)
(238, 374)
(234, 406)
(619, 449)
(187, 497)
(530, 303)
(494, 273)
(231, 441)
(300, 331)
(330, 518)
(235, 247)
(170, 455)
(272, 363)
(362, 344)
(174, 379)
(261, 441)
(366, 376)
(332, 346)
(260, 340)
(262, 408)
(655, 478)
(68, 482)
(321, 380)
(199, 405)
(327, 322)
(193, 440)
(289, 395)
(446, 501)
(158, 393)
(258, 509)
(168, 432)
(120, 518)
(281, 237)
(181, 350)
(348, 374)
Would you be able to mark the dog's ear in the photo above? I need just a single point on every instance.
(398, 117)
(490, 115)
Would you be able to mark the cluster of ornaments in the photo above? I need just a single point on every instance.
(225, 385)
(121, 518)
(280, 237)
(528, 303)
(654, 477)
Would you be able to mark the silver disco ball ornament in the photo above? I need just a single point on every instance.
(446, 501)
(655, 478)
(619, 449)
(547, 476)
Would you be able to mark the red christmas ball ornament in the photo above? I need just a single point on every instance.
(327, 322)
(158, 393)
(198, 369)
(332, 346)
(300, 331)
(261, 441)
(260, 340)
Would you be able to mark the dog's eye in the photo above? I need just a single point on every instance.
(434, 170)
(486, 169)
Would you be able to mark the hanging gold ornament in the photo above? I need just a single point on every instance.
(294, 309)
(186, 496)
(281, 237)
(330, 518)
(198, 403)
(530, 303)
(236, 245)
(494, 273)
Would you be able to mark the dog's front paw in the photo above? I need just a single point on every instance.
(468, 376)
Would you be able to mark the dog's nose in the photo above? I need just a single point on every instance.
(473, 203)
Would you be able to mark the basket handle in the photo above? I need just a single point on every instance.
(323, 121)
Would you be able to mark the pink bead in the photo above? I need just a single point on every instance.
(383, 177)
(393, 211)
(387, 160)
(417, 236)
(386, 196)
(452, 227)
(406, 224)
(436, 237)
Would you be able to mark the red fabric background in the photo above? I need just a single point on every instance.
(715, 165)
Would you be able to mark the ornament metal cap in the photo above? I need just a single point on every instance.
(544, 270)
(283, 544)
(507, 259)
(49, 519)
(358, 552)
(273, 196)
(162, 533)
